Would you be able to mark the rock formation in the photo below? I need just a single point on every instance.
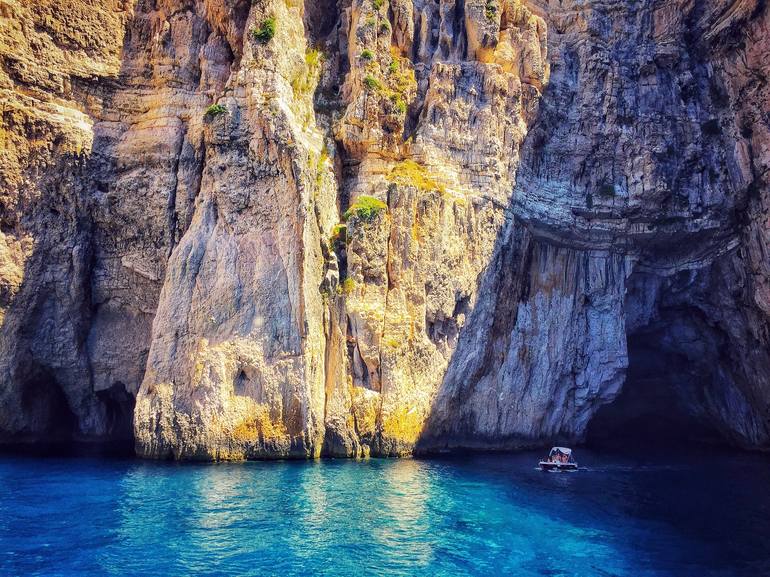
(273, 228)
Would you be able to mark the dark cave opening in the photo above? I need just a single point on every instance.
(119, 412)
(46, 407)
(52, 426)
(662, 403)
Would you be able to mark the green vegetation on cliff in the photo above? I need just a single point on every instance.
(266, 30)
(215, 110)
(365, 208)
(410, 173)
(371, 82)
(338, 237)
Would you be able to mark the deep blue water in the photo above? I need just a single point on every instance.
(700, 515)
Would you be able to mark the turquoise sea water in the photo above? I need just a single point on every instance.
(700, 515)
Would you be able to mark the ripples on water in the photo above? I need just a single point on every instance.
(485, 515)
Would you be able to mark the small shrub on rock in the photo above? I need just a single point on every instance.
(346, 286)
(490, 10)
(365, 208)
(215, 110)
(266, 30)
(339, 236)
(371, 83)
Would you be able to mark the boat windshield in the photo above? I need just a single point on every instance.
(561, 454)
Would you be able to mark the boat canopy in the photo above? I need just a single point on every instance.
(562, 450)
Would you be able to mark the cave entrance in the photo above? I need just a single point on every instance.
(658, 404)
(46, 407)
(667, 398)
(119, 412)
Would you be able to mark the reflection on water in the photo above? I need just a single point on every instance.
(488, 515)
(404, 526)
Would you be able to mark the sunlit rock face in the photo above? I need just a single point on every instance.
(405, 225)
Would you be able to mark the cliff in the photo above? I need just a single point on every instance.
(236, 229)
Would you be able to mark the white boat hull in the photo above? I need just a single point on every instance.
(549, 466)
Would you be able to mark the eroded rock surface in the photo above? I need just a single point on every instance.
(403, 225)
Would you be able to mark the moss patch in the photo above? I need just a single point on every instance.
(346, 287)
(410, 173)
(304, 82)
(339, 235)
(365, 208)
(396, 83)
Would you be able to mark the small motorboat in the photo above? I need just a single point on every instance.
(559, 459)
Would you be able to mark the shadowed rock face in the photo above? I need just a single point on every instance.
(409, 225)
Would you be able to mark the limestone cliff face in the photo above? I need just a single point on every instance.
(367, 227)
(635, 187)
(56, 62)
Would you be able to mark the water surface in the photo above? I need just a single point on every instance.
(652, 515)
